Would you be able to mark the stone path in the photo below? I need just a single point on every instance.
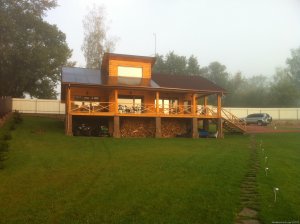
(249, 193)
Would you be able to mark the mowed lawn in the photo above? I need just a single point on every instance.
(53, 178)
(283, 160)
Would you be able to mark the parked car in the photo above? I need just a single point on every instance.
(259, 119)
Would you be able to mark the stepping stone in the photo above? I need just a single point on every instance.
(247, 212)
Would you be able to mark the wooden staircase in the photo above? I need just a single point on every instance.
(232, 123)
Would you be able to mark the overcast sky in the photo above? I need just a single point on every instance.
(251, 36)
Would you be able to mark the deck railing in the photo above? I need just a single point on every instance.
(78, 107)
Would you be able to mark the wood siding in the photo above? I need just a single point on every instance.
(113, 67)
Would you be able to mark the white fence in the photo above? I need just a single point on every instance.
(276, 113)
(39, 106)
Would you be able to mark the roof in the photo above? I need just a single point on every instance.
(81, 75)
(198, 83)
(107, 56)
(84, 76)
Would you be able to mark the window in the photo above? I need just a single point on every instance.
(130, 104)
(134, 72)
(168, 105)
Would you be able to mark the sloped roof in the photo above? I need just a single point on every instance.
(85, 76)
(186, 82)
(81, 75)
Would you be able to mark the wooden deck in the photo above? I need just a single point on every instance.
(145, 110)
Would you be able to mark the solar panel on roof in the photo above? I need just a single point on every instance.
(81, 75)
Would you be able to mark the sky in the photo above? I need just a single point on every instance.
(251, 36)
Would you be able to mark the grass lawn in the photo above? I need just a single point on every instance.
(53, 178)
(283, 152)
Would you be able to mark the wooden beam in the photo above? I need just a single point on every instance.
(205, 101)
(194, 104)
(116, 133)
(195, 133)
(68, 110)
(220, 128)
(219, 106)
(158, 127)
(157, 102)
(205, 105)
(116, 102)
(69, 100)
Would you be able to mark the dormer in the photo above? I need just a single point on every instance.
(127, 66)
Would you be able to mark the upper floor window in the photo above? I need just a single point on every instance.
(134, 72)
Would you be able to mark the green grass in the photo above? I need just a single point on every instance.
(53, 178)
(283, 161)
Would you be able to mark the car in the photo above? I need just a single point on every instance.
(259, 119)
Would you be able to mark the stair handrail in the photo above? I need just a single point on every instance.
(234, 119)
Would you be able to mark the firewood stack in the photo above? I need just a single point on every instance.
(137, 127)
(173, 127)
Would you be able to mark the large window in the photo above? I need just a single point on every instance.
(134, 72)
(169, 106)
(130, 104)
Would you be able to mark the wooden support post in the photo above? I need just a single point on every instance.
(116, 133)
(158, 127)
(69, 125)
(157, 102)
(220, 128)
(195, 133)
(116, 102)
(69, 99)
(194, 104)
(219, 106)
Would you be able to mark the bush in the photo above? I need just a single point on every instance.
(3, 149)
(12, 127)
(17, 118)
(7, 136)
(3, 146)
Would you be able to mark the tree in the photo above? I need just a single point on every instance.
(193, 67)
(174, 64)
(216, 72)
(283, 91)
(294, 66)
(31, 50)
(96, 42)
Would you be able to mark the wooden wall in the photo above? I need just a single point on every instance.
(113, 66)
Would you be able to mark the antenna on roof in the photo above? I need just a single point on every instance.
(154, 34)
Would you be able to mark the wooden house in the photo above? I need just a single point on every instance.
(132, 101)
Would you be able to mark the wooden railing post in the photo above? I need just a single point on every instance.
(116, 101)
(194, 104)
(205, 105)
(219, 106)
(157, 102)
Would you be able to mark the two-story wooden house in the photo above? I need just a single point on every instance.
(132, 101)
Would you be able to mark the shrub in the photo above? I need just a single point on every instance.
(17, 118)
(3, 149)
(7, 136)
(12, 127)
(3, 146)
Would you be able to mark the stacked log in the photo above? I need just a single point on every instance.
(171, 127)
(137, 127)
